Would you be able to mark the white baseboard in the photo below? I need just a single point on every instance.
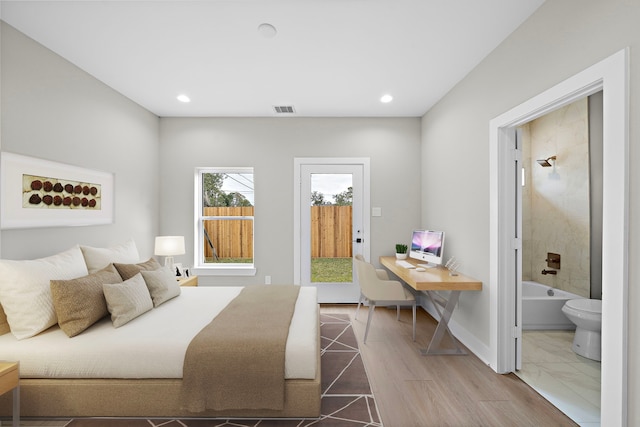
(477, 347)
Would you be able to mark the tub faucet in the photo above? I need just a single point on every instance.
(549, 272)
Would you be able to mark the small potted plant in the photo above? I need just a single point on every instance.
(401, 251)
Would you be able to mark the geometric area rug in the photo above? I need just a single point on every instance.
(347, 400)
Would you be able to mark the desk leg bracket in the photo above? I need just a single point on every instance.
(448, 305)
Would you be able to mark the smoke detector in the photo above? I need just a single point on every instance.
(267, 31)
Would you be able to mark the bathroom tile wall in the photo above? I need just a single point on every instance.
(556, 199)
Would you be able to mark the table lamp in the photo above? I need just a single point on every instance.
(168, 246)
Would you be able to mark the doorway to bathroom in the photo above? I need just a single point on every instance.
(611, 77)
(561, 227)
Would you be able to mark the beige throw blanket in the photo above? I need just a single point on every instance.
(237, 361)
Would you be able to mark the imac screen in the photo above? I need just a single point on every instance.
(427, 245)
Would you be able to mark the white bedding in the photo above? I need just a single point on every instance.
(154, 344)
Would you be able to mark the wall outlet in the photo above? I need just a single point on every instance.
(267, 280)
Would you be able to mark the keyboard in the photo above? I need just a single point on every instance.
(405, 264)
(427, 265)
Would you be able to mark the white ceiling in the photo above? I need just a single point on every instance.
(329, 58)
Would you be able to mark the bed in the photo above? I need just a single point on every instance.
(136, 370)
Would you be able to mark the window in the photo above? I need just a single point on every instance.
(224, 223)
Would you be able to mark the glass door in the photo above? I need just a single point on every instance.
(331, 229)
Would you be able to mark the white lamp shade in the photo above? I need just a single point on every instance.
(169, 245)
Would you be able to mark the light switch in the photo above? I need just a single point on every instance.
(376, 211)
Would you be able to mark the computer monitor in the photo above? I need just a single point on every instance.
(428, 246)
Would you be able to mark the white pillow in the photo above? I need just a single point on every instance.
(127, 300)
(99, 258)
(162, 285)
(25, 292)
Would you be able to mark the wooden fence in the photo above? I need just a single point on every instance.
(231, 238)
(330, 232)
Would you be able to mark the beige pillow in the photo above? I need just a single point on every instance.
(25, 292)
(127, 300)
(127, 271)
(98, 258)
(4, 325)
(79, 303)
(162, 285)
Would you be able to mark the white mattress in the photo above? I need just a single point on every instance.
(154, 344)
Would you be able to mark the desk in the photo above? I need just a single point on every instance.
(429, 281)
(10, 380)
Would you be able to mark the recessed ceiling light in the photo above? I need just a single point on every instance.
(183, 98)
(267, 30)
(386, 98)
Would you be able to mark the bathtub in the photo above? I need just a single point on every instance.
(541, 311)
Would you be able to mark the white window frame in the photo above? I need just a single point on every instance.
(199, 267)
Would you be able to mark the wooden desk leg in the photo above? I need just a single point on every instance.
(443, 325)
(16, 406)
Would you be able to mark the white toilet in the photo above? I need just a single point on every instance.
(587, 316)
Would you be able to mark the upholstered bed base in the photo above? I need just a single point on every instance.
(52, 398)
(140, 398)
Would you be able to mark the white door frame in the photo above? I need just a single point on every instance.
(366, 203)
(611, 75)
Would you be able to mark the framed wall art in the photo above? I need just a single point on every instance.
(41, 193)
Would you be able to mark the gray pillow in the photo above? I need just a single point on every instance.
(162, 285)
(127, 271)
(127, 300)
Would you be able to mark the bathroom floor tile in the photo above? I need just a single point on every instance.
(569, 381)
(584, 386)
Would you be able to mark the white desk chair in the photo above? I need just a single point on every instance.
(380, 272)
(376, 288)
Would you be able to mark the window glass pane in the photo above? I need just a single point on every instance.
(227, 189)
(331, 228)
(228, 241)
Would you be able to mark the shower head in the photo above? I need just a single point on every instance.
(545, 162)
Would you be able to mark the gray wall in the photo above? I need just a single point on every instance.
(269, 145)
(561, 39)
(53, 110)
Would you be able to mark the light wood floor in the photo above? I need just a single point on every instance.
(415, 390)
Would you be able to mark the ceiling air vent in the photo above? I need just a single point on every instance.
(284, 109)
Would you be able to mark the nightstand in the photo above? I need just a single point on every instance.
(10, 380)
(188, 281)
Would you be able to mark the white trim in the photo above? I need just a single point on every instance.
(366, 202)
(462, 334)
(612, 76)
(225, 271)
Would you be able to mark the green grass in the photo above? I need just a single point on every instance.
(331, 270)
(229, 260)
(323, 270)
